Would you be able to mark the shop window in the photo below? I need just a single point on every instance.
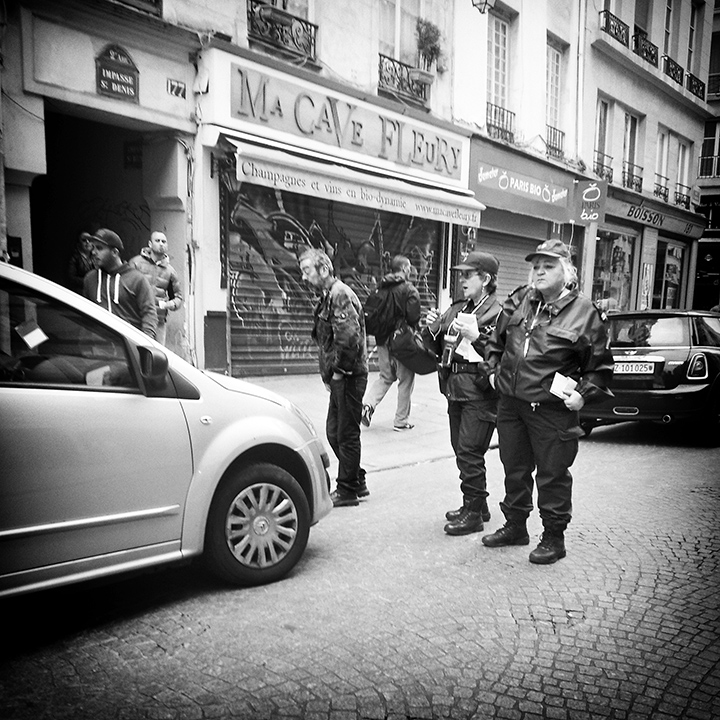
(668, 275)
(613, 271)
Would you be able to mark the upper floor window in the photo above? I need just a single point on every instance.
(601, 129)
(692, 36)
(552, 86)
(497, 61)
(398, 22)
(668, 26)
(683, 170)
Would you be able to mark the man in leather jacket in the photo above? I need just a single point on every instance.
(459, 336)
(550, 356)
(339, 332)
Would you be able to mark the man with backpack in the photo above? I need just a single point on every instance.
(394, 302)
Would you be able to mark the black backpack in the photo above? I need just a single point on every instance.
(381, 314)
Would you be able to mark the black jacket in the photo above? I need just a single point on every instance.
(463, 386)
(406, 299)
(534, 340)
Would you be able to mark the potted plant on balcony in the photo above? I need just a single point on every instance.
(429, 51)
(270, 13)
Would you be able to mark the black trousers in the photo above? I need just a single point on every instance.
(542, 438)
(470, 436)
(343, 428)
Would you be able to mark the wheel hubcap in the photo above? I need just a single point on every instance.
(261, 525)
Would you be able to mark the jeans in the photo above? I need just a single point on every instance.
(470, 437)
(161, 331)
(343, 428)
(544, 439)
(391, 369)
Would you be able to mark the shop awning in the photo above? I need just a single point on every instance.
(324, 176)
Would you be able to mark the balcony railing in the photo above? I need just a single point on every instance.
(280, 30)
(645, 49)
(713, 87)
(682, 195)
(709, 166)
(500, 123)
(555, 142)
(615, 27)
(695, 85)
(602, 166)
(396, 77)
(632, 176)
(672, 69)
(661, 187)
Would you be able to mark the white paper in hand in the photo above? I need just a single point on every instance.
(562, 385)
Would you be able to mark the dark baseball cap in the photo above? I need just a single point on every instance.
(550, 248)
(480, 261)
(109, 238)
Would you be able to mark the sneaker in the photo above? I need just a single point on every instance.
(342, 498)
(402, 428)
(367, 413)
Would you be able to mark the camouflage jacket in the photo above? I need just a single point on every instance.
(339, 332)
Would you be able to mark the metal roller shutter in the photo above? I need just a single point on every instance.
(269, 307)
(510, 251)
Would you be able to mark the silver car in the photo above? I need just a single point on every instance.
(117, 455)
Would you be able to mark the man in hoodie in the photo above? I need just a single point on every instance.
(153, 262)
(119, 288)
(406, 300)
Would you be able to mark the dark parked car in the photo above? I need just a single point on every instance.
(667, 365)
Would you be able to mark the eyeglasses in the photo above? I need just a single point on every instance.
(467, 274)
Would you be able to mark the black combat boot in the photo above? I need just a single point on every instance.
(550, 549)
(469, 521)
(511, 533)
(453, 515)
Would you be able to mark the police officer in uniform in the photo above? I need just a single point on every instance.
(459, 336)
(550, 355)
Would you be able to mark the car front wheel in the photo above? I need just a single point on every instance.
(258, 525)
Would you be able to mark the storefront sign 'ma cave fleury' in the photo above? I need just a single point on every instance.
(335, 120)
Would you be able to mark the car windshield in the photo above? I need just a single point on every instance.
(649, 331)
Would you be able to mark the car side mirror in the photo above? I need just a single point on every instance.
(153, 367)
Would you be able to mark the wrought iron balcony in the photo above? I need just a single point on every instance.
(615, 27)
(602, 166)
(709, 166)
(661, 187)
(500, 123)
(555, 142)
(672, 69)
(397, 77)
(645, 49)
(682, 195)
(280, 31)
(695, 85)
(632, 176)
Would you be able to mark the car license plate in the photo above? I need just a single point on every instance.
(634, 368)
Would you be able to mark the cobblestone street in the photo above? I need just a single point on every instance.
(387, 617)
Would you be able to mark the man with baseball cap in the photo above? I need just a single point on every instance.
(119, 288)
(459, 337)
